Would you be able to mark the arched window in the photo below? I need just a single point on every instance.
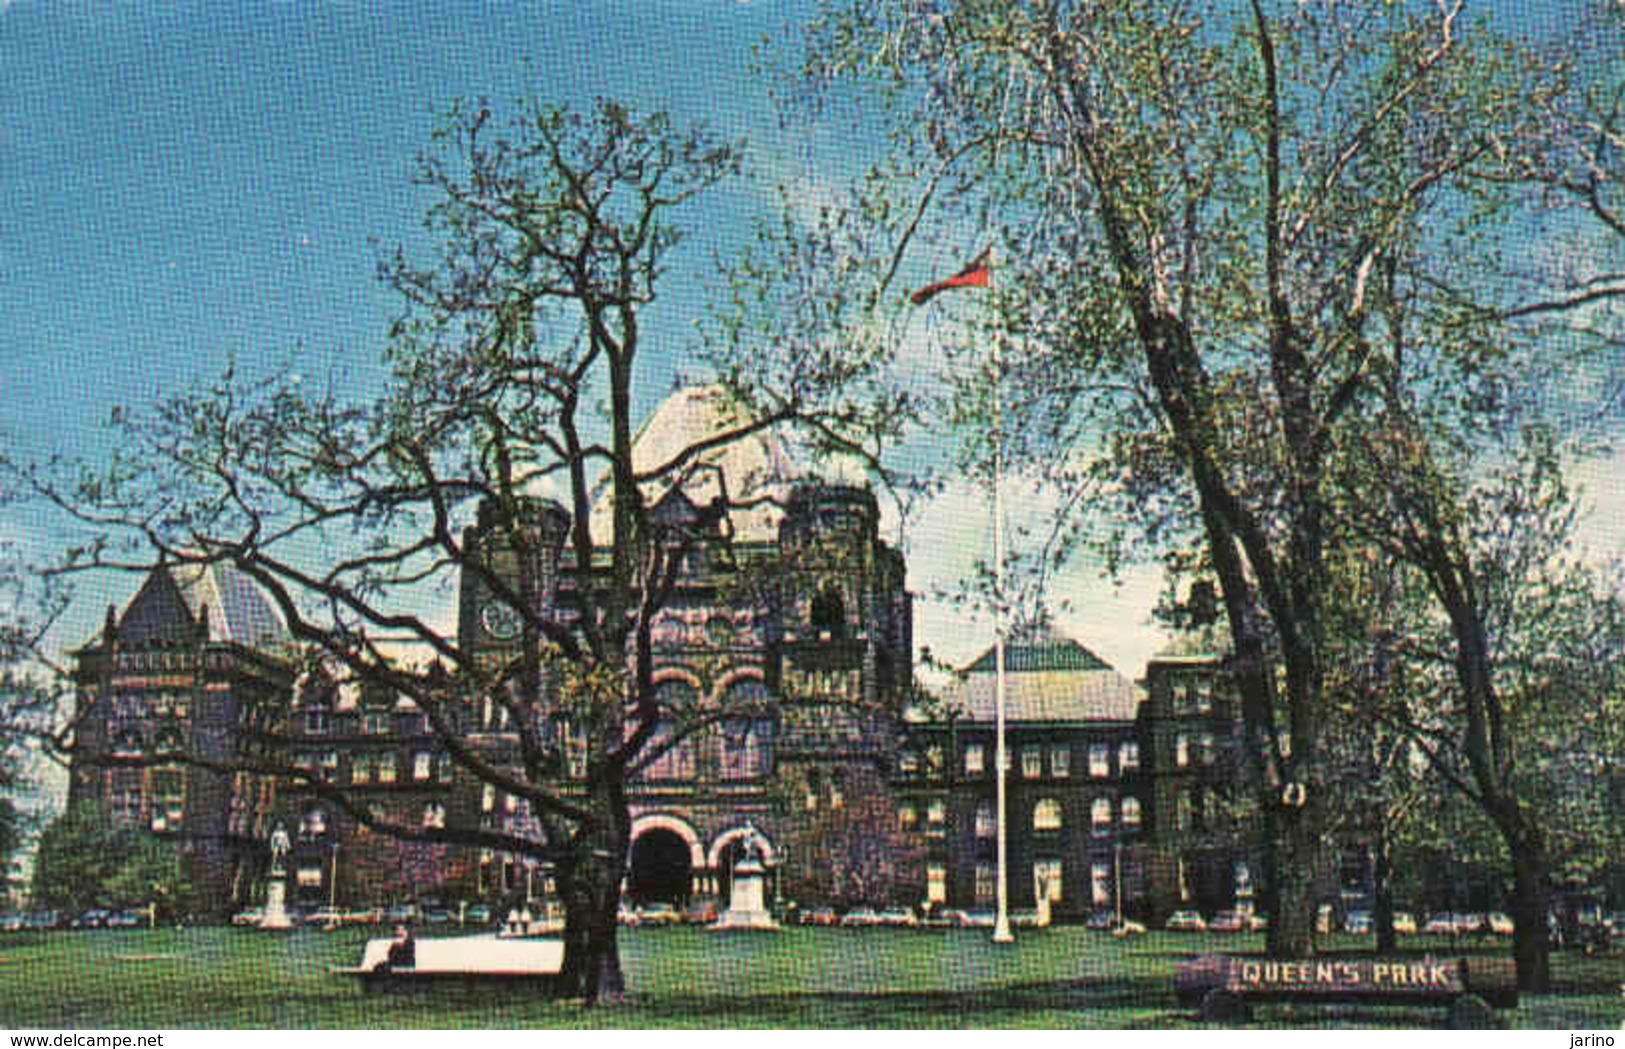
(1100, 814)
(1047, 814)
(828, 615)
(1131, 811)
(434, 816)
(669, 760)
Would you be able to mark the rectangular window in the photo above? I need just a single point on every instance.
(386, 767)
(975, 759)
(310, 876)
(488, 798)
(1100, 885)
(375, 723)
(936, 883)
(907, 817)
(1047, 880)
(316, 722)
(1032, 762)
(329, 765)
(986, 824)
(1182, 751)
(1100, 760)
(936, 815)
(361, 768)
(1128, 756)
(987, 883)
(1060, 761)
(1204, 747)
(422, 765)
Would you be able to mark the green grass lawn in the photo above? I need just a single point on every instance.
(1058, 978)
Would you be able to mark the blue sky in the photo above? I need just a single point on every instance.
(181, 183)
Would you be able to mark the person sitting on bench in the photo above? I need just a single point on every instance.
(403, 952)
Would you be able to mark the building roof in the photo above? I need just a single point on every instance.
(761, 465)
(176, 598)
(1048, 678)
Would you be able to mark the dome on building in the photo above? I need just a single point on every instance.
(238, 608)
(760, 466)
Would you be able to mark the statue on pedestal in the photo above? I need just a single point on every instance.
(276, 890)
(747, 908)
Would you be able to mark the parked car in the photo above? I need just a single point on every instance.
(1026, 918)
(1128, 928)
(660, 914)
(1500, 924)
(859, 918)
(1185, 921)
(324, 916)
(12, 923)
(125, 920)
(402, 914)
(1357, 923)
(626, 916)
(897, 917)
(1443, 924)
(1100, 921)
(249, 918)
(819, 916)
(436, 916)
(95, 918)
(1257, 923)
(479, 914)
(978, 919)
(1227, 921)
(704, 912)
(42, 920)
(1404, 923)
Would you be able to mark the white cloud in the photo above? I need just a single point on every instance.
(1602, 491)
(952, 533)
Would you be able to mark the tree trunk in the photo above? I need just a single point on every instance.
(1531, 894)
(1292, 926)
(1382, 877)
(590, 885)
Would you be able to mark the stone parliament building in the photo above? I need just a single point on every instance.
(1116, 787)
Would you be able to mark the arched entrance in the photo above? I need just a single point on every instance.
(662, 868)
(729, 848)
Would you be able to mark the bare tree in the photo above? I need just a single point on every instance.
(514, 372)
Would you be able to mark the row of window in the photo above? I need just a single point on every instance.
(366, 767)
(1202, 743)
(1047, 882)
(318, 721)
(1047, 815)
(1036, 760)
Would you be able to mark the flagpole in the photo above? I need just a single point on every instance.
(1001, 923)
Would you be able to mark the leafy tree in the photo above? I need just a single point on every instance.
(79, 855)
(516, 370)
(1508, 681)
(1194, 202)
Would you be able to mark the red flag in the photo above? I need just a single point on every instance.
(976, 275)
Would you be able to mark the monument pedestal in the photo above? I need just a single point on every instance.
(276, 906)
(747, 909)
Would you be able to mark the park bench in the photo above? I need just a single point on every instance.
(1221, 987)
(463, 960)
